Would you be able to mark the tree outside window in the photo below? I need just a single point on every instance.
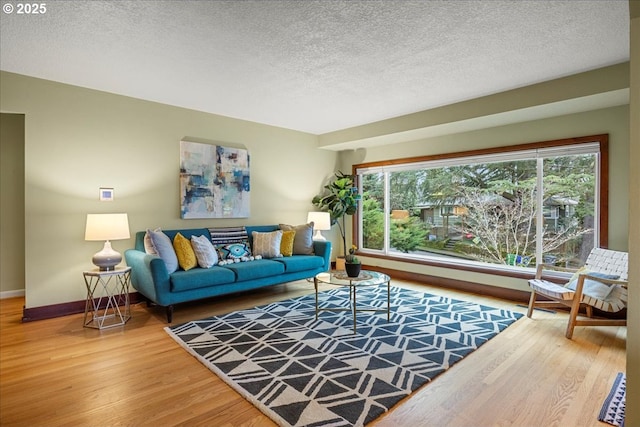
(491, 211)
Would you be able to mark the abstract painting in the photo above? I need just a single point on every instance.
(214, 181)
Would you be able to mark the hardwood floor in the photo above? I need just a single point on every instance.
(57, 373)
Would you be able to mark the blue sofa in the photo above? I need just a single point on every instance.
(150, 278)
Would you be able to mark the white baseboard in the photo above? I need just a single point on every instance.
(12, 294)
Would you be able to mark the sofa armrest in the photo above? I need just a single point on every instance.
(148, 275)
(323, 249)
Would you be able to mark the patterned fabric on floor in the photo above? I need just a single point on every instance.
(612, 411)
(303, 372)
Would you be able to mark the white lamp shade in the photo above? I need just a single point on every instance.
(321, 220)
(107, 227)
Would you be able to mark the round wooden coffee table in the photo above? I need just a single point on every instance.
(365, 278)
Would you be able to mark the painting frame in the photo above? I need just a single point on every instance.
(214, 181)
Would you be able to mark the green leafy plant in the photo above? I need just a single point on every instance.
(340, 199)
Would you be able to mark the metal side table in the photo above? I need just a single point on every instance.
(108, 302)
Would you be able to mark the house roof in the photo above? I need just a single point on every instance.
(315, 66)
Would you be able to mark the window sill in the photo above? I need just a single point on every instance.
(525, 273)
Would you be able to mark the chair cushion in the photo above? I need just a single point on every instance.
(544, 287)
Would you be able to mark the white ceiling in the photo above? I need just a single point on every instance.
(315, 66)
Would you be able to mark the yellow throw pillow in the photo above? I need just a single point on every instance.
(286, 246)
(184, 251)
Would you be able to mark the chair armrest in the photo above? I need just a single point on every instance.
(585, 276)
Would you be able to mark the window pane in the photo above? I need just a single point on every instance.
(482, 212)
(408, 232)
(506, 208)
(569, 208)
(372, 211)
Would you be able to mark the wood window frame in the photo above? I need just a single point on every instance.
(603, 200)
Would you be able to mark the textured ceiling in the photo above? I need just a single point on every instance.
(314, 66)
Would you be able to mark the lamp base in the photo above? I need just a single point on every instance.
(107, 258)
(319, 237)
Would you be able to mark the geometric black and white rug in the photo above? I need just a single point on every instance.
(303, 372)
(614, 406)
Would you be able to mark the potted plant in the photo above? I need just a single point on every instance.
(352, 264)
(339, 199)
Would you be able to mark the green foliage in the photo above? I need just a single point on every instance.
(407, 234)
(499, 201)
(340, 199)
(372, 223)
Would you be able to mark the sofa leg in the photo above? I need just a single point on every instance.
(169, 313)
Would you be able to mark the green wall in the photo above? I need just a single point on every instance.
(78, 140)
(12, 202)
(633, 316)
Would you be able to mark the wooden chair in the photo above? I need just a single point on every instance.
(600, 262)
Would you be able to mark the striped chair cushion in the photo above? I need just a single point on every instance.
(551, 289)
(614, 302)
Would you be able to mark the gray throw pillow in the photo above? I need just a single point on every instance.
(593, 288)
(163, 245)
(303, 240)
(205, 252)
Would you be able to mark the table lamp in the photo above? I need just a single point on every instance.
(321, 221)
(107, 227)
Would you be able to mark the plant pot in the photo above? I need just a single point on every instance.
(353, 270)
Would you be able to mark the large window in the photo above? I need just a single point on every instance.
(504, 209)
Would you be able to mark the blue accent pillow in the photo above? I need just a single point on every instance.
(593, 288)
(233, 251)
(164, 247)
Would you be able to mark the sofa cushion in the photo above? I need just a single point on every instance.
(303, 240)
(164, 248)
(184, 251)
(256, 269)
(230, 242)
(300, 263)
(201, 278)
(267, 245)
(286, 246)
(205, 252)
(148, 244)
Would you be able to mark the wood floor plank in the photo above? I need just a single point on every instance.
(57, 373)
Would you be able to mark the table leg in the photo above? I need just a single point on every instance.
(388, 300)
(315, 285)
(353, 288)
